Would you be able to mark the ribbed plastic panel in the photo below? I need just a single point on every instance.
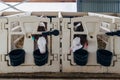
(98, 6)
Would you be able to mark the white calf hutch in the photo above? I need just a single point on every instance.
(97, 34)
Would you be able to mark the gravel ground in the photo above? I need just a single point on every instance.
(59, 76)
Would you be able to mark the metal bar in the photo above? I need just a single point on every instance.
(12, 6)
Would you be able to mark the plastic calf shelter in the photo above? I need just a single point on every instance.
(115, 68)
(17, 32)
(20, 32)
(91, 26)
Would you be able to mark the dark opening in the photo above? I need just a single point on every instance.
(78, 27)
